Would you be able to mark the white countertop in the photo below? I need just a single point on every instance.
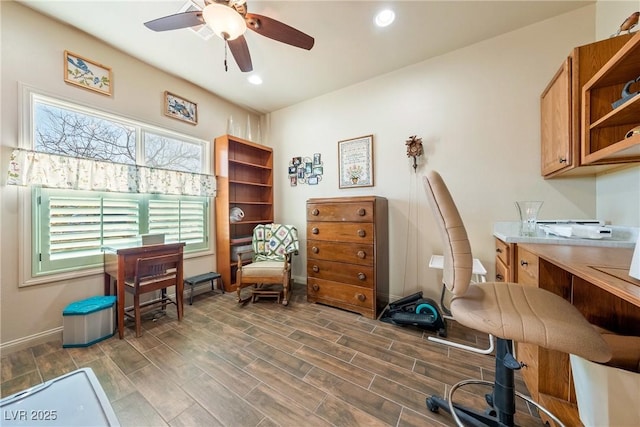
(621, 237)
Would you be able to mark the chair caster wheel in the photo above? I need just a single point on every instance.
(432, 406)
(490, 412)
(489, 399)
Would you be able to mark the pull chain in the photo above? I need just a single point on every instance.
(226, 43)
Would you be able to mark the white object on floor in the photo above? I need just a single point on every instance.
(479, 272)
(73, 399)
(607, 396)
(479, 276)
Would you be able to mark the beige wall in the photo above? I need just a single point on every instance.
(32, 54)
(477, 111)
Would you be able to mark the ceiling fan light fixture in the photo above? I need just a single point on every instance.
(224, 21)
(255, 79)
(385, 18)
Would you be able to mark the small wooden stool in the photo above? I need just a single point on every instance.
(206, 277)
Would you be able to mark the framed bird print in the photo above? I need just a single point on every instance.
(87, 74)
(180, 108)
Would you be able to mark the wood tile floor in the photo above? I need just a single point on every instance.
(264, 365)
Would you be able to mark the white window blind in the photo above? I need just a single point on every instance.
(71, 227)
(178, 220)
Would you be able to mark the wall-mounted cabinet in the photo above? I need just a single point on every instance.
(244, 174)
(561, 106)
(604, 127)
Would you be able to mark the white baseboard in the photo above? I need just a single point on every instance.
(31, 340)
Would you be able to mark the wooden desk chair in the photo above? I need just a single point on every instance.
(273, 246)
(153, 274)
(508, 311)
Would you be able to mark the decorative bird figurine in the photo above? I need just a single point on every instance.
(628, 24)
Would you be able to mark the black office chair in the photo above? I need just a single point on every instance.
(508, 311)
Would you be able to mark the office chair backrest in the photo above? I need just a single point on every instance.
(453, 233)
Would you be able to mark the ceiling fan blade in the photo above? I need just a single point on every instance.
(276, 30)
(240, 52)
(177, 21)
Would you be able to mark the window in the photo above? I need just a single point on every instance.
(70, 227)
(61, 129)
(170, 153)
(73, 226)
(65, 129)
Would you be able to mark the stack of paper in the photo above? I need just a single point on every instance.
(577, 230)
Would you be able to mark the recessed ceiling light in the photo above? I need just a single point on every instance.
(255, 79)
(385, 18)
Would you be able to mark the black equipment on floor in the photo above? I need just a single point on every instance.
(416, 311)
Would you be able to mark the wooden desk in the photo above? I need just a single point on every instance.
(596, 281)
(120, 264)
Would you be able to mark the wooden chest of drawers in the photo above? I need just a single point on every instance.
(347, 253)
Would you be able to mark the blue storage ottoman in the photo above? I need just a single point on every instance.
(88, 321)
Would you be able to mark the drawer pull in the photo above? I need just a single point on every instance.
(498, 250)
(361, 297)
(362, 233)
(524, 263)
(362, 212)
(315, 268)
(362, 254)
(315, 212)
(562, 160)
(499, 277)
(315, 230)
(362, 276)
(315, 287)
(315, 250)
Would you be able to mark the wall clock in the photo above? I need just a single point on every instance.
(414, 149)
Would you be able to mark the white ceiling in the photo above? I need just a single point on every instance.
(348, 47)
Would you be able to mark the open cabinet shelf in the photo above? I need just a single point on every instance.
(604, 127)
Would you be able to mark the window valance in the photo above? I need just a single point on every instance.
(54, 171)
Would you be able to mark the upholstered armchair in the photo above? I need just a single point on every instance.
(273, 246)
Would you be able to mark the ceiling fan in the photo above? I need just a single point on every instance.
(229, 19)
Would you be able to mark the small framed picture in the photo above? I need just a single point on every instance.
(318, 170)
(179, 108)
(308, 168)
(313, 180)
(293, 170)
(355, 162)
(296, 161)
(300, 172)
(317, 159)
(293, 180)
(87, 74)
